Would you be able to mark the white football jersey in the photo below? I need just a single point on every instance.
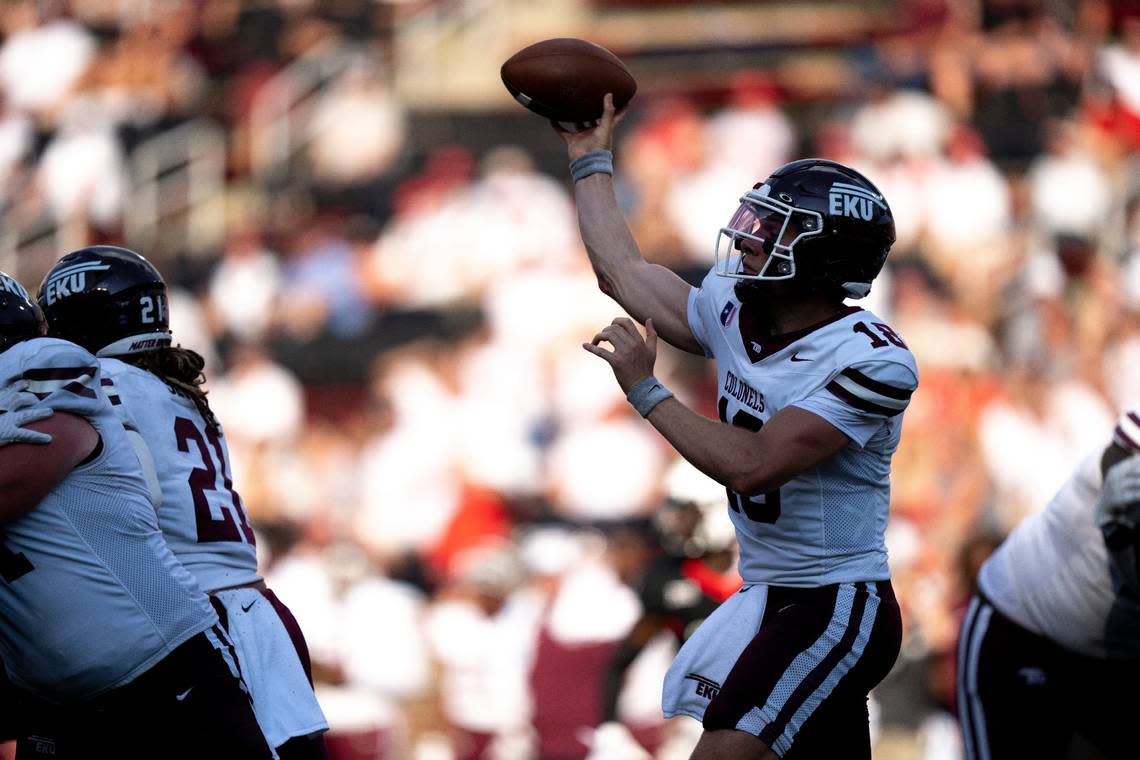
(90, 596)
(199, 511)
(827, 524)
(1053, 574)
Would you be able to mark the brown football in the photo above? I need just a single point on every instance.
(565, 79)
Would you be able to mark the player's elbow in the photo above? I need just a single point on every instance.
(606, 285)
(752, 485)
(755, 480)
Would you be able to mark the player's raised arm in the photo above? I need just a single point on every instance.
(643, 289)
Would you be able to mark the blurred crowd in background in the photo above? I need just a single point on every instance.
(452, 496)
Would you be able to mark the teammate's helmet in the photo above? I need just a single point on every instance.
(20, 317)
(109, 300)
(821, 223)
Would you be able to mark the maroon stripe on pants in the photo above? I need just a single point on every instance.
(224, 637)
(819, 673)
(223, 615)
(793, 619)
(294, 629)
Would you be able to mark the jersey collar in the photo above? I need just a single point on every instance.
(760, 346)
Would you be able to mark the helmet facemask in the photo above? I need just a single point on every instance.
(765, 224)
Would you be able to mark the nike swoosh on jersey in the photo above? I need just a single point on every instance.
(245, 607)
(184, 694)
(797, 358)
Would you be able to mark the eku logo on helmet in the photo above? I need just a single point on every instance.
(70, 280)
(853, 201)
(11, 286)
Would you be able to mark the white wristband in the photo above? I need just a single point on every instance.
(594, 162)
(647, 394)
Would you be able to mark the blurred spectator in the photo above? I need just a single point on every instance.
(1070, 193)
(1025, 68)
(900, 125)
(15, 141)
(321, 284)
(82, 170)
(143, 76)
(260, 401)
(751, 131)
(35, 33)
(410, 476)
(966, 186)
(1033, 436)
(357, 133)
(584, 484)
(1119, 64)
(481, 631)
(245, 285)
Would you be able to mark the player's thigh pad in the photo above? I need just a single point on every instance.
(769, 657)
(273, 658)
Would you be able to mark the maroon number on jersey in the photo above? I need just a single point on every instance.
(233, 525)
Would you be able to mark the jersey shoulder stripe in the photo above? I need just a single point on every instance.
(44, 381)
(1127, 431)
(868, 394)
(62, 375)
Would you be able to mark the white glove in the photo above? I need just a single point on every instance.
(17, 409)
(1120, 497)
(613, 741)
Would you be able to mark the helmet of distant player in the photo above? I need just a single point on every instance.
(107, 299)
(824, 227)
(20, 317)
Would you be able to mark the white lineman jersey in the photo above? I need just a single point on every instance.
(90, 596)
(827, 524)
(199, 511)
(1050, 575)
(1056, 576)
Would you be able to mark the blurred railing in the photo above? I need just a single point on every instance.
(29, 246)
(177, 190)
(283, 108)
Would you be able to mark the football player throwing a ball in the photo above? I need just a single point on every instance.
(811, 393)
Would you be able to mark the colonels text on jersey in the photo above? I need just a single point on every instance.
(826, 525)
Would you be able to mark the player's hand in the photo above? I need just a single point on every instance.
(600, 137)
(17, 409)
(632, 357)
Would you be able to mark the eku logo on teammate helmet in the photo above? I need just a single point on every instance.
(69, 280)
(11, 286)
(844, 199)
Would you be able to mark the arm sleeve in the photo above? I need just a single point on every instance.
(859, 398)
